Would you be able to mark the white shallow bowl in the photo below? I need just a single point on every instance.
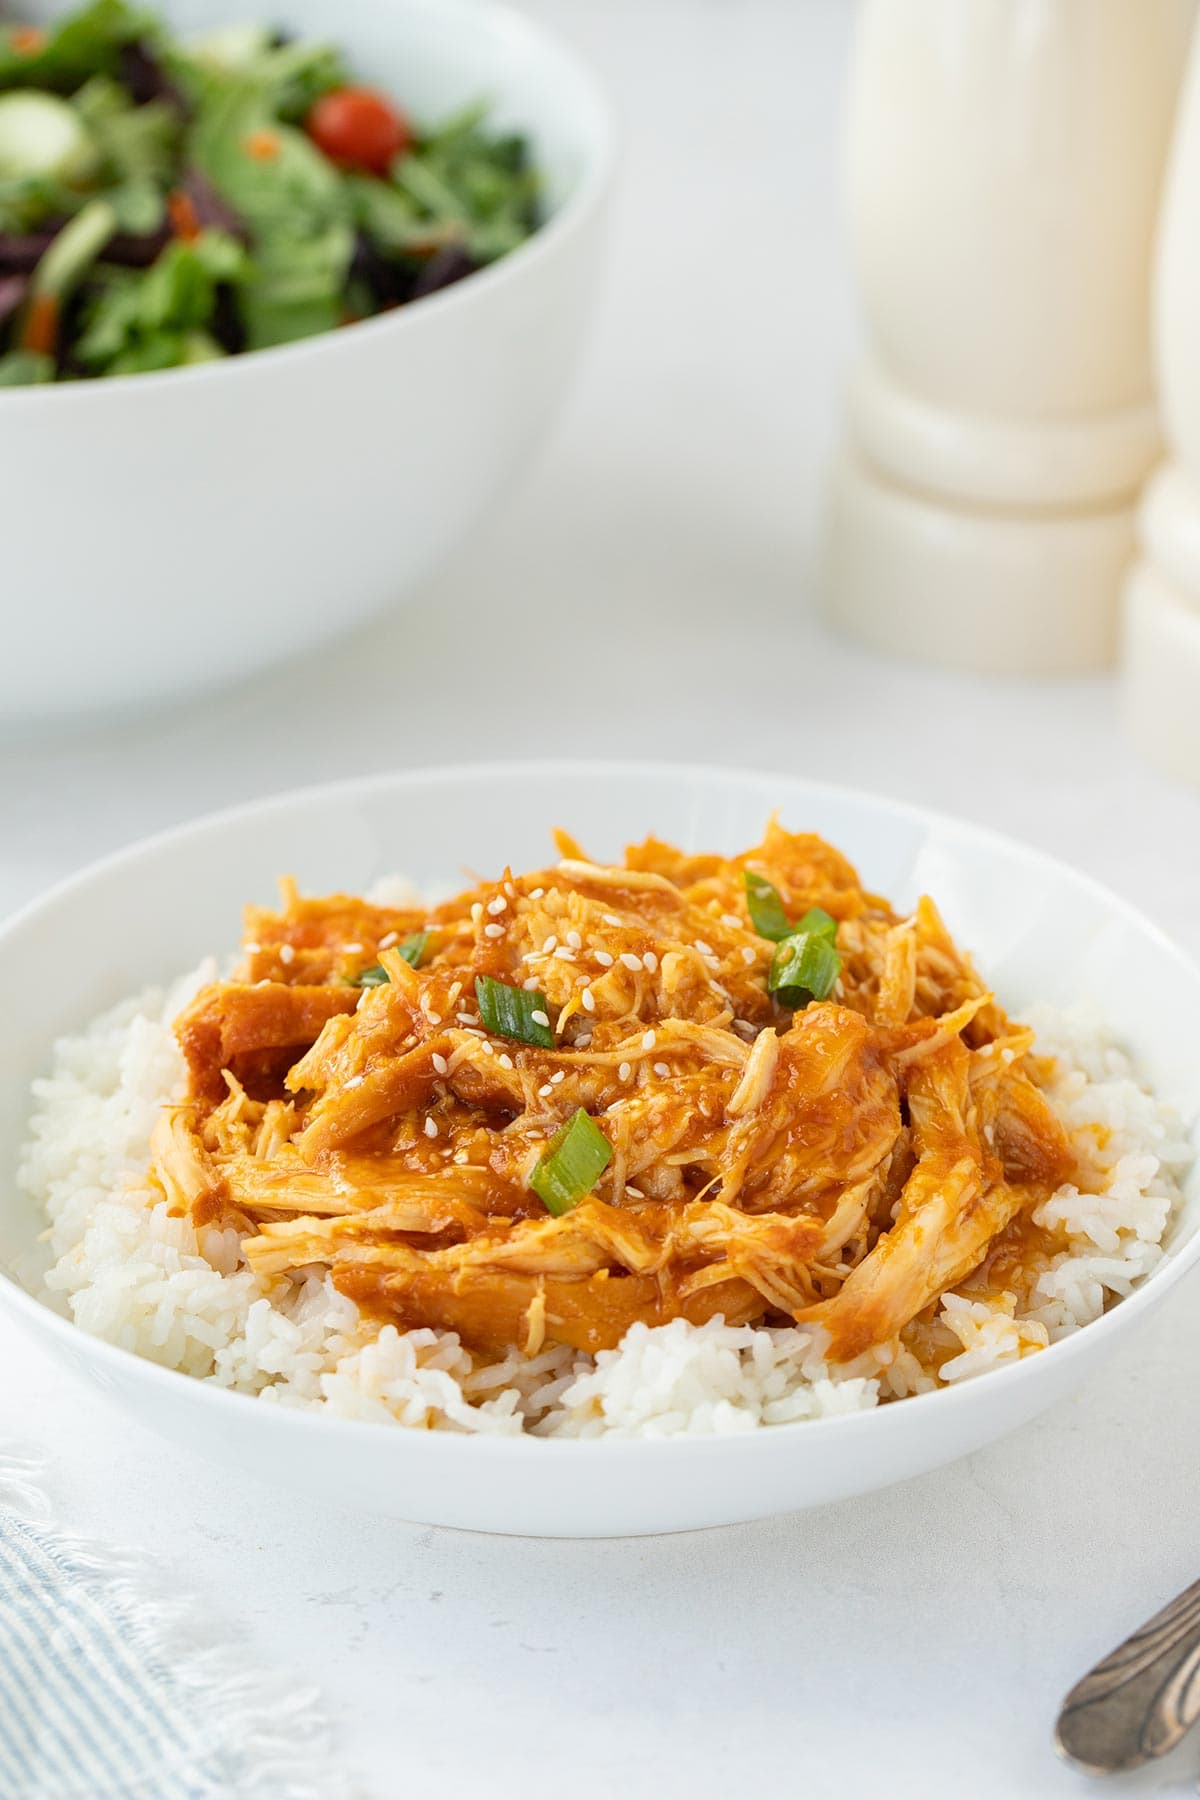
(175, 530)
(1040, 931)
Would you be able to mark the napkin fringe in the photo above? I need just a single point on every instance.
(272, 1739)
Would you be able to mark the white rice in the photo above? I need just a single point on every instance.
(128, 1272)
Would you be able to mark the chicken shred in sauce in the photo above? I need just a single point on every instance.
(844, 1164)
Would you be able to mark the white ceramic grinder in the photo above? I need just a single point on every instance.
(1004, 165)
(1161, 679)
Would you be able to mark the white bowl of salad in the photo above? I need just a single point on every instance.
(284, 307)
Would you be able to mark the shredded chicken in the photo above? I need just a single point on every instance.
(844, 1163)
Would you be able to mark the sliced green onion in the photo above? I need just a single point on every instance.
(412, 950)
(510, 1012)
(765, 906)
(575, 1158)
(375, 976)
(805, 967)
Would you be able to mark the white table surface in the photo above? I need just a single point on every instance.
(656, 573)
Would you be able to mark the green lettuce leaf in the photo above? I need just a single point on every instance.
(394, 222)
(25, 368)
(139, 206)
(146, 319)
(85, 43)
(136, 143)
(296, 286)
(297, 208)
(286, 80)
(472, 186)
(27, 201)
(165, 350)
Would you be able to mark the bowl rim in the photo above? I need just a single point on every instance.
(594, 109)
(1083, 1342)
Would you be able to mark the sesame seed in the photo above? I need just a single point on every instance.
(610, 918)
(455, 991)
(544, 1091)
(562, 954)
(749, 955)
(286, 954)
(533, 956)
(431, 1128)
(440, 1064)
(635, 1191)
(584, 1042)
(558, 1076)
(497, 905)
(662, 1068)
(355, 1081)
(537, 893)
(510, 890)
(252, 949)
(385, 943)
(630, 961)
(588, 1000)
(744, 1026)
(575, 941)
(649, 962)
(466, 1018)
(461, 1156)
(434, 1018)
(550, 944)
(624, 1072)
(530, 984)
(703, 948)
(541, 1018)
(476, 912)
(732, 920)
(603, 958)
(352, 949)
(493, 931)
(506, 1061)
(649, 1040)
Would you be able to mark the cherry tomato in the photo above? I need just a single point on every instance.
(359, 129)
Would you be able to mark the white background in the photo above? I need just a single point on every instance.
(649, 591)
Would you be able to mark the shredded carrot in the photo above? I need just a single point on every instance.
(263, 146)
(26, 40)
(182, 213)
(41, 325)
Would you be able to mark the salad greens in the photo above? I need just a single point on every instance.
(165, 202)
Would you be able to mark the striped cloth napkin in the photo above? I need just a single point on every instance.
(111, 1691)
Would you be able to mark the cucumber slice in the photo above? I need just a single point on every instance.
(41, 135)
(230, 47)
(75, 249)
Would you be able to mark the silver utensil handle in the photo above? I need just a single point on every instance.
(1138, 1702)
